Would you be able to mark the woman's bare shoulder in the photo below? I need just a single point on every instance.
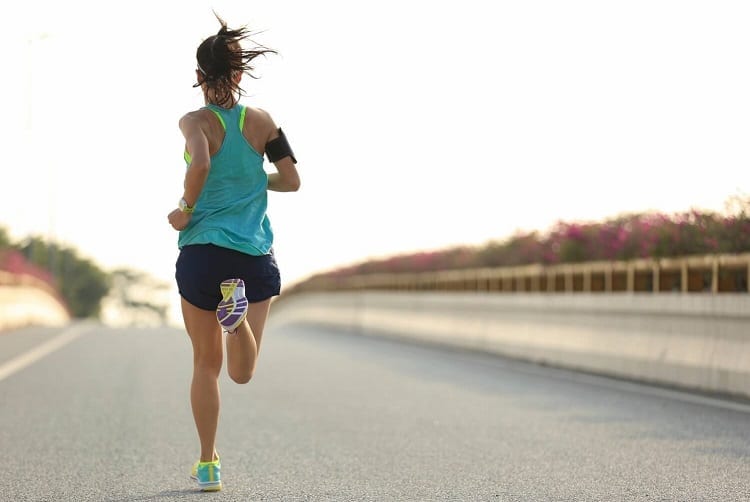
(196, 117)
(260, 121)
(260, 115)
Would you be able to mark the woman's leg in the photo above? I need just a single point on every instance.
(205, 334)
(243, 346)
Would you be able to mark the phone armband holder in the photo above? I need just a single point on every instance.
(278, 148)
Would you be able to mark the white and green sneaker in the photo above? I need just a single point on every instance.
(208, 475)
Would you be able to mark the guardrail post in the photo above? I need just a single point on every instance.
(568, 280)
(608, 279)
(507, 283)
(684, 277)
(631, 278)
(587, 280)
(715, 275)
(520, 283)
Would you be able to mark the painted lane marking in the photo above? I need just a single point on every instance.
(30, 357)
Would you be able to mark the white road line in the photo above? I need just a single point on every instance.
(20, 362)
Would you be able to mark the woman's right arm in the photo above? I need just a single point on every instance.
(196, 143)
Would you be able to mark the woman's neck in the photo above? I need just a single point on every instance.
(228, 104)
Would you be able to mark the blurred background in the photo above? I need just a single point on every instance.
(421, 128)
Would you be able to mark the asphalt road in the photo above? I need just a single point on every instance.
(339, 416)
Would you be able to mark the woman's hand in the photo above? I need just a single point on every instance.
(179, 219)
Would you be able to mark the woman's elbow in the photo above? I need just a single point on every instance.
(201, 166)
(294, 184)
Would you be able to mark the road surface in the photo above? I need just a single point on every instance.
(91, 413)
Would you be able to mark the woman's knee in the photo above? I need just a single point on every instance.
(241, 377)
(209, 360)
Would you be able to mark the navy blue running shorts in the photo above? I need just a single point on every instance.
(201, 268)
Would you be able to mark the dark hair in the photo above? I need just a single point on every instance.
(221, 56)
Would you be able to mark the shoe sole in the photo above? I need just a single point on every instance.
(210, 488)
(231, 312)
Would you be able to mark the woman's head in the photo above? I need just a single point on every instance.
(221, 63)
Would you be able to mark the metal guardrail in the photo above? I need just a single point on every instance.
(690, 274)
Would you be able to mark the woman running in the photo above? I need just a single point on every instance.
(226, 271)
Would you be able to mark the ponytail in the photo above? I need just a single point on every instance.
(221, 56)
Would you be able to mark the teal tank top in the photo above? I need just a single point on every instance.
(231, 209)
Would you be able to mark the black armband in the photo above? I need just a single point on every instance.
(278, 148)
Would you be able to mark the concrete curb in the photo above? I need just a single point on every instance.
(693, 341)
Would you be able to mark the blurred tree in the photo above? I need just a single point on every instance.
(4, 239)
(81, 282)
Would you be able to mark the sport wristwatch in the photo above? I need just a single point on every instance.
(183, 205)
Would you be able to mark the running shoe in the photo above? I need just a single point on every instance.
(208, 475)
(232, 309)
(194, 470)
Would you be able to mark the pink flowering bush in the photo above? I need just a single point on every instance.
(625, 237)
(13, 262)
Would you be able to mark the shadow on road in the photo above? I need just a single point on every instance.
(168, 495)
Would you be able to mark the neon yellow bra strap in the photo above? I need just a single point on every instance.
(242, 118)
(220, 119)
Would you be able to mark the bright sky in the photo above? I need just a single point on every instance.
(417, 124)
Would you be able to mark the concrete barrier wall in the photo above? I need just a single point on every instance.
(25, 301)
(695, 341)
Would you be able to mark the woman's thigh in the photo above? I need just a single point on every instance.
(205, 333)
